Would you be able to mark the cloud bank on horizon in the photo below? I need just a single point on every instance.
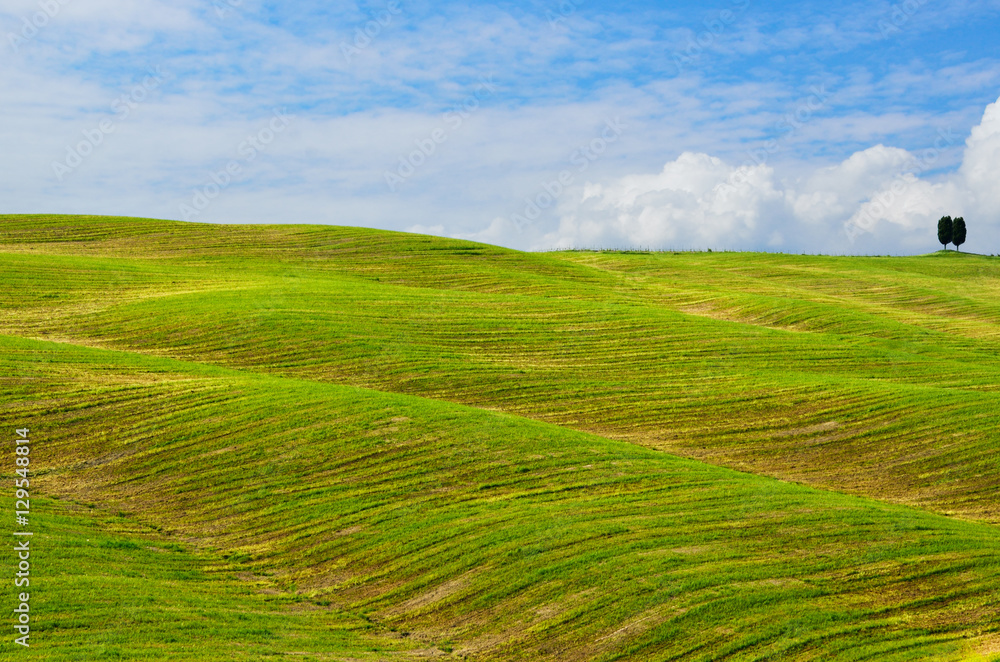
(699, 201)
(534, 124)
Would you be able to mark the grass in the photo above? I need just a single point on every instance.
(107, 588)
(455, 449)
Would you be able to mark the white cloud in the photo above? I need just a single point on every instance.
(982, 160)
(693, 200)
(437, 230)
(699, 201)
(834, 193)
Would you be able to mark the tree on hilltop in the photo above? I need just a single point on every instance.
(945, 229)
(958, 232)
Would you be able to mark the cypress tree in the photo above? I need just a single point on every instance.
(958, 232)
(945, 229)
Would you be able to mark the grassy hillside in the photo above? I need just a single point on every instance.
(285, 404)
(873, 376)
(110, 588)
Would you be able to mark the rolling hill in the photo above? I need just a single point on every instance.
(342, 444)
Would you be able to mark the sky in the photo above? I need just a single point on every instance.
(801, 127)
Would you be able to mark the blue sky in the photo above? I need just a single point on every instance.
(805, 127)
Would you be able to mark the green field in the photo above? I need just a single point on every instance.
(331, 443)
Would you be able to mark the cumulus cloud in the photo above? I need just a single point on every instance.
(982, 156)
(693, 200)
(700, 201)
